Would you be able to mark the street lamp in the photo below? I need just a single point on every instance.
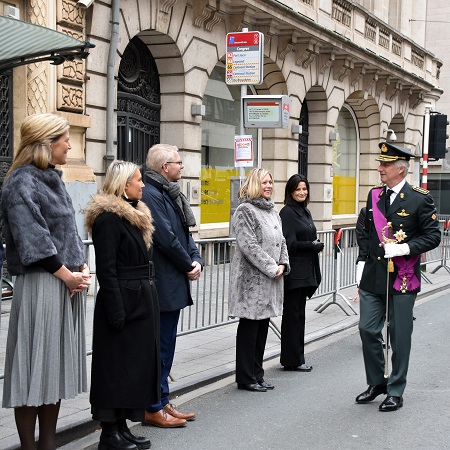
(391, 136)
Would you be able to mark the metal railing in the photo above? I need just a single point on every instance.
(337, 263)
(442, 252)
(210, 292)
(345, 252)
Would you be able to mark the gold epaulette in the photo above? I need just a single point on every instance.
(421, 190)
(379, 186)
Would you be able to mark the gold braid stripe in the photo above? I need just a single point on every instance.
(389, 158)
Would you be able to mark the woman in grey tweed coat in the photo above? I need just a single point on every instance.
(45, 350)
(257, 269)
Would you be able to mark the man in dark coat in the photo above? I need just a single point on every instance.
(400, 225)
(177, 263)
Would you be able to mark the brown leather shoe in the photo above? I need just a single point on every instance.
(170, 409)
(163, 420)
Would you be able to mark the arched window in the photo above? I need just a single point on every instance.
(303, 141)
(346, 164)
(138, 103)
(219, 126)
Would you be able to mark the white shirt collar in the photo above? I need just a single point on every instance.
(397, 188)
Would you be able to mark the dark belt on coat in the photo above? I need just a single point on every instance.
(144, 272)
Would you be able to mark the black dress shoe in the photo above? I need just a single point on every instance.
(391, 403)
(301, 368)
(252, 387)
(371, 393)
(266, 385)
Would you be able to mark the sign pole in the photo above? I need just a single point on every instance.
(241, 127)
(241, 132)
(244, 66)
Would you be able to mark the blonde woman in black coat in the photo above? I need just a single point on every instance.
(301, 283)
(125, 356)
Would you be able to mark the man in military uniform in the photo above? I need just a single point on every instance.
(400, 225)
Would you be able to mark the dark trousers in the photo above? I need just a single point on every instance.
(168, 339)
(293, 328)
(372, 317)
(251, 340)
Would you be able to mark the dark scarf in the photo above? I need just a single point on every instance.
(173, 189)
(133, 203)
(260, 202)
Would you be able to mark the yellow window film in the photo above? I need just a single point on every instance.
(344, 195)
(215, 196)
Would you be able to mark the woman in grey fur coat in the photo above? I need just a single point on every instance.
(45, 350)
(257, 269)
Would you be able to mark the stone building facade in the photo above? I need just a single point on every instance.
(354, 71)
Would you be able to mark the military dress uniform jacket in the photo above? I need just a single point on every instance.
(412, 211)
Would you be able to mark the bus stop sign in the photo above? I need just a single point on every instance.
(245, 55)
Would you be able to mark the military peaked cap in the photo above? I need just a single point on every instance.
(390, 152)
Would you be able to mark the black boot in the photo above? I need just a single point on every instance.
(141, 442)
(111, 439)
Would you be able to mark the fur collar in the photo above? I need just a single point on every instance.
(140, 217)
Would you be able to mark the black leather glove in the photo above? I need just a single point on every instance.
(117, 325)
(317, 246)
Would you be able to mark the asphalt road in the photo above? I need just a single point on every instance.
(317, 410)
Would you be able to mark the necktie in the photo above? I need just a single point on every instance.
(388, 198)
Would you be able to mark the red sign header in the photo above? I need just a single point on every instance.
(249, 39)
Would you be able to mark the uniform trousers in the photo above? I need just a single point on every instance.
(168, 339)
(371, 322)
(251, 340)
(293, 328)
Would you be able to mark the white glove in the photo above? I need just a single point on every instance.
(392, 250)
(359, 271)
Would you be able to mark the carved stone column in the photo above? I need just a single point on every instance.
(70, 93)
(37, 74)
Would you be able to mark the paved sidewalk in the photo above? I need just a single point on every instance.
(201, 357)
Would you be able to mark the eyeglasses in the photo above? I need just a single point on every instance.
(180, 163)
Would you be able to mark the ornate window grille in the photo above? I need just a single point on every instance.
(6, 123)
(138, 103)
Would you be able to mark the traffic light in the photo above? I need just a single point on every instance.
(438, 136)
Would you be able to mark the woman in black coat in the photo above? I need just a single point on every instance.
(125, 357)
(303, 248)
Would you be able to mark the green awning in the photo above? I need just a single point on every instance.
(23, 43)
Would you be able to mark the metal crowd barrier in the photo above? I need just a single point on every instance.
(345, 252)
(345, 257)
(443, 249)
(210, 292)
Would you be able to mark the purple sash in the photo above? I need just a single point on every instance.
(406, 279)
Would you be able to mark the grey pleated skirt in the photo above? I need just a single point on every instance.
(46, 347)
